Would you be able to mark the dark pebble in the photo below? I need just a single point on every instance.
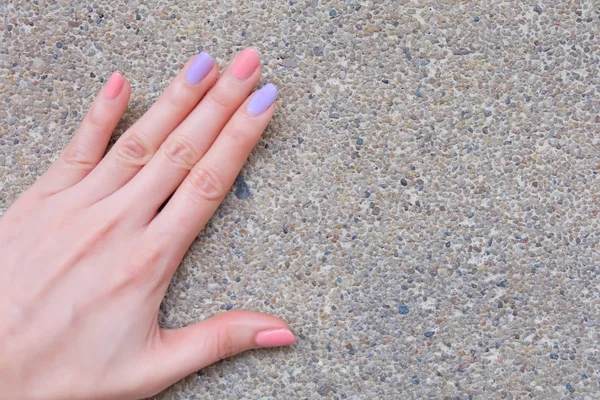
(500, 304)
(324, 390)
(333, 13)
(360, 142)
(242, 191)
(415, 381)
(554, 356)
(318, 51)
(339, 280)
(538, 9)
(448, 244)
(403, 182)
(403, 309)
(16, 141)
(429, 334)
(385, 81)
(461, 52)
(352, 352)
(570, 387)
(476, 19)
(502, 283)
(228, 307)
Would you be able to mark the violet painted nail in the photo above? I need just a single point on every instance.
(200, 67)
(262, 99)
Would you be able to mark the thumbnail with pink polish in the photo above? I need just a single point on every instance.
(275, 338)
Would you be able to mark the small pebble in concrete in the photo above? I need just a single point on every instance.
(242, 190)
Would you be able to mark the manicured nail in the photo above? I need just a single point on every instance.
(245, 64)
(262, 99)
(275, 338)
(113, 86)
(200, 67)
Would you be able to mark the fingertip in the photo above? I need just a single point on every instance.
(246, 64)
(262, 99)
(114, 86)
(275, 338)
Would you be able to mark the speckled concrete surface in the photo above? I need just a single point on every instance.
(423, 210)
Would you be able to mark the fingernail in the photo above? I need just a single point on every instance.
(200, 67)
(245, 64)
(275, 338)
(113, 86)
(262, 99)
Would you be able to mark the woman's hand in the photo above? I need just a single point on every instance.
(86, 256)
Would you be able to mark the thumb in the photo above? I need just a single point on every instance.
(187, 350)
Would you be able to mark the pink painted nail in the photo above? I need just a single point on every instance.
(113, 86)
(245, 64)
(275, 338)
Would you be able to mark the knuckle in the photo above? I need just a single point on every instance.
(205, 185)
(132, 151)
(239, 136)
(181, 152)
(221, 100)
(144, 266)
(75, 156)
(93, 120)
(178, 95)
(225, 346)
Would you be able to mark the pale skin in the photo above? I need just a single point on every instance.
(87, 256)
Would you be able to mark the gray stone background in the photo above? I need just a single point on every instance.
(423, 210)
